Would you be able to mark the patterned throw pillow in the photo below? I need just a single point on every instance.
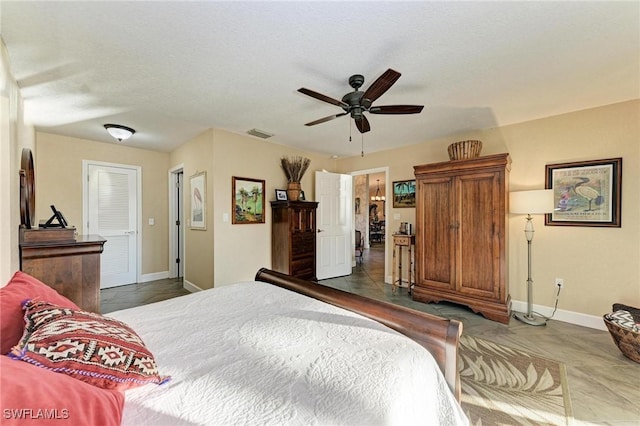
(623, 319)
(22, 287)
(98, 350)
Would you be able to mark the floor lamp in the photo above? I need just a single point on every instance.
(530, 202)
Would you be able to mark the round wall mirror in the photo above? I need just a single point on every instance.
(27, 190)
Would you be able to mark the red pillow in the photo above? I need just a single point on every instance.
(32, 395)
(98, 350)
(22, 287)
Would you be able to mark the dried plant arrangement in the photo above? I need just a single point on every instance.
(294, 167)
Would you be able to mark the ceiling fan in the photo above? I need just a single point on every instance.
(356, 103)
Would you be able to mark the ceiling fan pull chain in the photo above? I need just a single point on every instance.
(362, 145)
(350, 125)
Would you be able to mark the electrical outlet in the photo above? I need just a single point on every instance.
(559, 282)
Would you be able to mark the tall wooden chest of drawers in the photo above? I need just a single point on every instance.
(293, 238)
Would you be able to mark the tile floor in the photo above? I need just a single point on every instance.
(604, 386)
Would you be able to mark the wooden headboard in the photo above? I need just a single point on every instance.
(440, 336)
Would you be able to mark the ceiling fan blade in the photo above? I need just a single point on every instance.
(322, 97)
(362, 124)
(325, 119)
(378, 87)
(396, 109)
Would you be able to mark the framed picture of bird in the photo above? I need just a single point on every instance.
(585, 193)
(198, 216)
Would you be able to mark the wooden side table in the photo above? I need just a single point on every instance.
(400, 241)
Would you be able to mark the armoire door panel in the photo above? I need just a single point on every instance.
(436, 216)
(476, 237)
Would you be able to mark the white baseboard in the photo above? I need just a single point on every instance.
(189, 286)
(577, 318)
(153, 277)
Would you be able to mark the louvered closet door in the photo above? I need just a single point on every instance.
(112, 214)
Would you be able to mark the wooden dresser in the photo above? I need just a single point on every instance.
(293, 238)
(461, 234)
(68, 263)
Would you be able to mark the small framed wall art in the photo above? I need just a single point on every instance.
(198, 194)
(404, 193)
(248, 200)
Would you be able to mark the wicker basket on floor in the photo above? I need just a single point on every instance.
(628, 341)
(464, 149)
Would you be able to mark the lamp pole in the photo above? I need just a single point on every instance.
(529, 317)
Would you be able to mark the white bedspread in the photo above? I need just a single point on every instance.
(253, 353)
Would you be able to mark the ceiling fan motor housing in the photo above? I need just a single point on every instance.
(356, 81)
(352, 99)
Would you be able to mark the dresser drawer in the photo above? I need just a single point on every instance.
(403, 240)
(303, 266)
(303, 244)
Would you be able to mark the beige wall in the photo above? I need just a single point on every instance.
(59, 181)
(228, 253)
(599, 265)
(14, 136)
(196, 156)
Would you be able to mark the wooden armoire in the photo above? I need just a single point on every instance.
(293, 238)
(461, 234)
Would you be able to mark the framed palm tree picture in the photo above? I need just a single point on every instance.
(404, 193)
(248, 200)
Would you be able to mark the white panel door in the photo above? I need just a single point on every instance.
(334, 222)
(112, 214)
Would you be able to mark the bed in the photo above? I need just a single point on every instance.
(280, 350)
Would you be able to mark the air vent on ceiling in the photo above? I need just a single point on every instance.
(259, 133)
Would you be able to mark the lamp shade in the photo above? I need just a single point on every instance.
(538, 201)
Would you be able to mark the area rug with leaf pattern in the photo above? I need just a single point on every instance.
(506, 386)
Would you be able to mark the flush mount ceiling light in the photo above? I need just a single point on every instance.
(119, 132)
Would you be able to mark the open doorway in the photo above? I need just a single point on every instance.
(371, 213)
(176, 222)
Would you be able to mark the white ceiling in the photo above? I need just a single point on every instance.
(172, 69)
